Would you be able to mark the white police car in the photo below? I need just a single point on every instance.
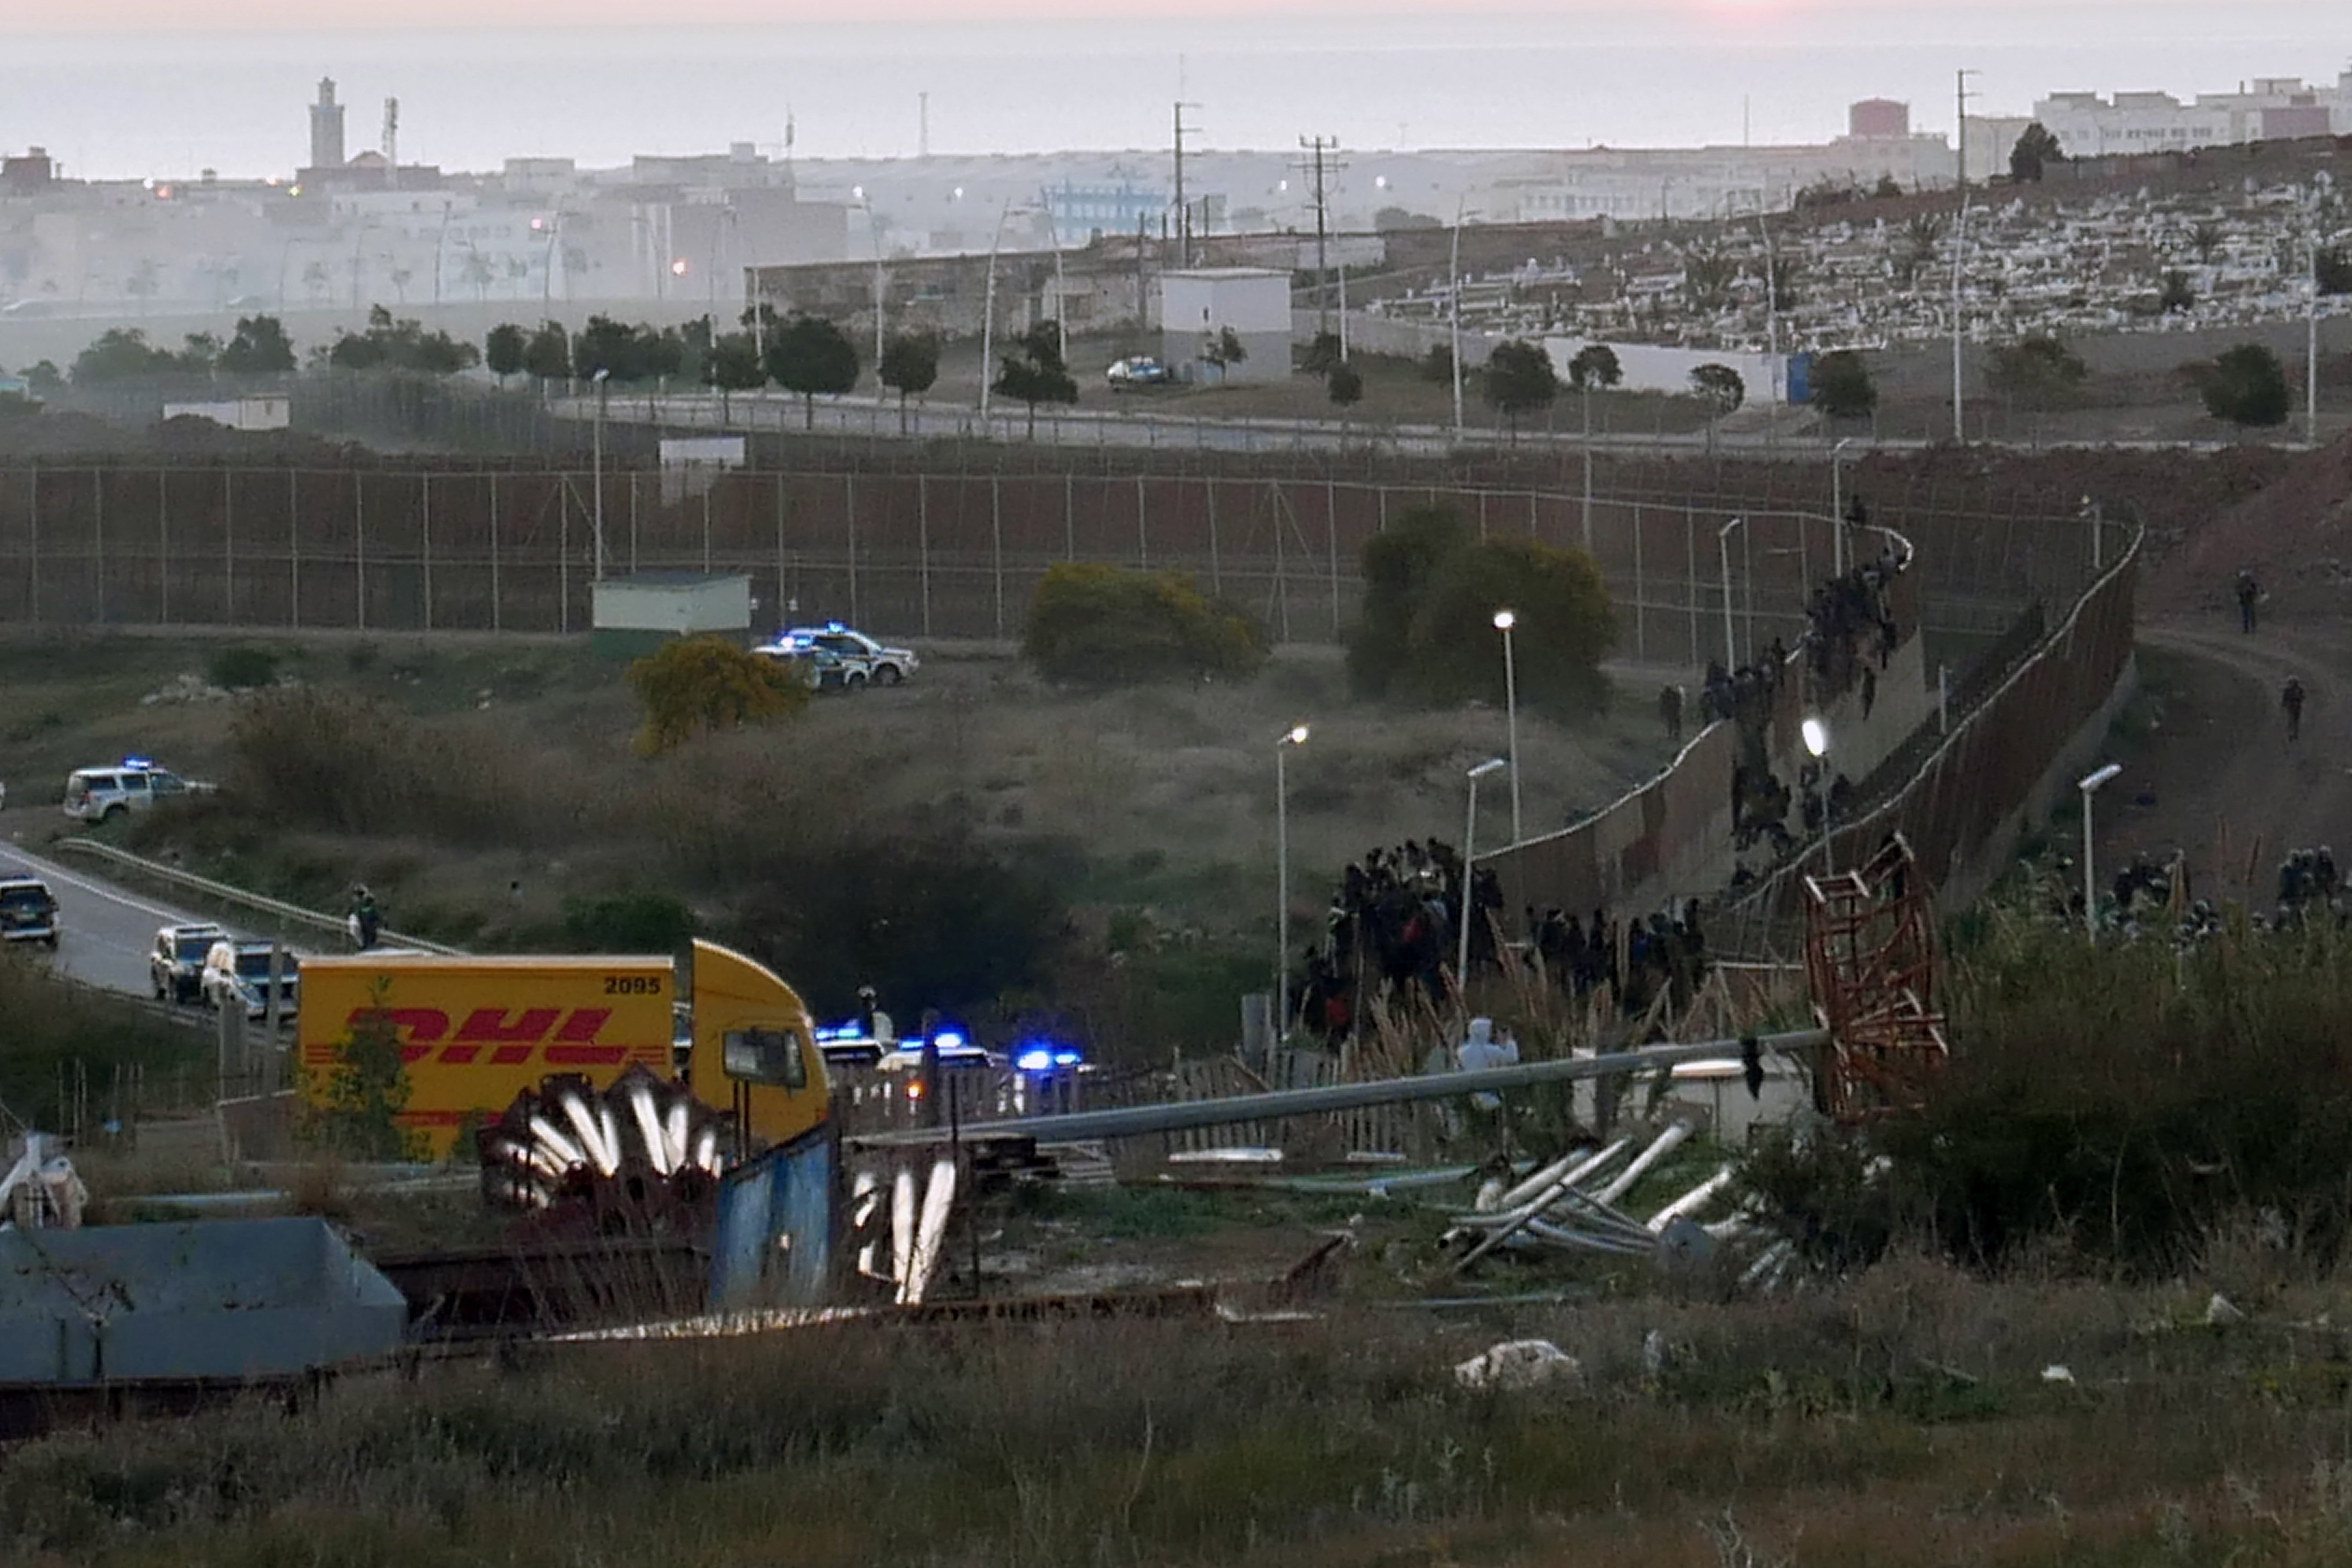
(887, 666)
(101, 794)
(28, 910)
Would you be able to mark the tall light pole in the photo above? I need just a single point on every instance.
(1504, 621)
(1730, 637)
(1469, 859)
(988, 315)
(1837, 507)
(2096, 514)
(874, 233)
(1294, 736)
(2089, 785)
(1816, 736)
(601, 377)
(1453, 313)
(1960, 248)
(2311, 319)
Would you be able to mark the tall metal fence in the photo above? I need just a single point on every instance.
(1972, 788)
(447, 546)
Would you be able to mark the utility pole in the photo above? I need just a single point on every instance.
(1184, 212)
(1960, 132)
(1318, 168)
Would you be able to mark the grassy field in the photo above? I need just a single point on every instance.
(1913, 1416)
(499, 791)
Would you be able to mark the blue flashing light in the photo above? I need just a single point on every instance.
(137, 761)
(1036, 1058)
(834, 626)
(1066, 1058)
(949, 1040)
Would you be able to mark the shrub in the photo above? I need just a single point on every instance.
(302, 758)
(2245, 386)
(356, 1116)
(1843, 387)
(1107, 625)
(2039, 372)
(703, 683)
(242, 668)
(1428, 631)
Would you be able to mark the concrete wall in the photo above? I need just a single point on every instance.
(1655, 367)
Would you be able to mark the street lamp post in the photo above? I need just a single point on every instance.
(1730, 639)
(1454, 314)
(2089, 785)
(1837, 507)
(1817, 741)
(1469, 863)
(988, 316)
(1959, 248)
(2096, 514)
(1504, 621)
(1294, 736)
(601, 378)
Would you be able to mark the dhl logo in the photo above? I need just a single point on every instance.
(493, 1036)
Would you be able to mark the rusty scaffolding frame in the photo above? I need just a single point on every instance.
(1870, 957)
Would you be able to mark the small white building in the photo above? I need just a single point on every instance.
(633, 614)
(1197, 306)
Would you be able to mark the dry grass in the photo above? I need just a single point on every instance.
(1902, 1418)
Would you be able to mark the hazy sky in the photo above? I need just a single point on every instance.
(1912, 17)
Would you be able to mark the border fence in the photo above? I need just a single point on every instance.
(902, 549)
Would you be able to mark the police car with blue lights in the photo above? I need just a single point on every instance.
(885, 665)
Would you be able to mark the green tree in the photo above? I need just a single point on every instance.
(1033, 373)
(121, 353)
(547, 355)
(502, 349)
(1107, 625)
(2175, 293)
(809, 355)
(45, 378)
(625, 352)
(356, 1113)
(2333, 270)
(199, 354)
(2038, 372)
(1721, 386)
(1437, 365)
(1317, 357)
(1843, 386)
(1782, 274)
(2035, 149)
(1397, 563)
(1707, 277)
(1594, 368)
(259, 347)
(1519, 380)
(696, 684)
(2245, 386)
(735, 366)
(403, 344)
(1922, 233)
(910, 366)
(1427, 632)
(2206, 237)
(1345, 384)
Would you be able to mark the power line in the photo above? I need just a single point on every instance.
(1318, 167)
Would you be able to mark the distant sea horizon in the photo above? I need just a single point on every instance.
(168, 106)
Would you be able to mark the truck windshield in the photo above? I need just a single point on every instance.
(25, 898)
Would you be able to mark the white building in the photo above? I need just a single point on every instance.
(2267, 109)
(1196, 307)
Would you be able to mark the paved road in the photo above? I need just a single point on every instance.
(107, 931)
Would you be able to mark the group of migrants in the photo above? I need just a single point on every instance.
(1395, 924)
(1394, 929)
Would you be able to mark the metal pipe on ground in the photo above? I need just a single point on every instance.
(1575, 1169)
(1666, 1143)
(1175, 1116)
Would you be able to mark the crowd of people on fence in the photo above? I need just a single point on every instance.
(1394, 929)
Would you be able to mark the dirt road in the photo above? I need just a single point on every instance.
(2208, 768)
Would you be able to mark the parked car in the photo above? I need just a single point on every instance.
(820, 669)
(28, 910)
(889, 666)
(1140, 370)
(101, 794)
(236, 973)
(176, 965)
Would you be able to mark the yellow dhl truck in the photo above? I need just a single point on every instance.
(474, 1032)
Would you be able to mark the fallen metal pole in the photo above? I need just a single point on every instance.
(1128, 1122)
(1536, 1205)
